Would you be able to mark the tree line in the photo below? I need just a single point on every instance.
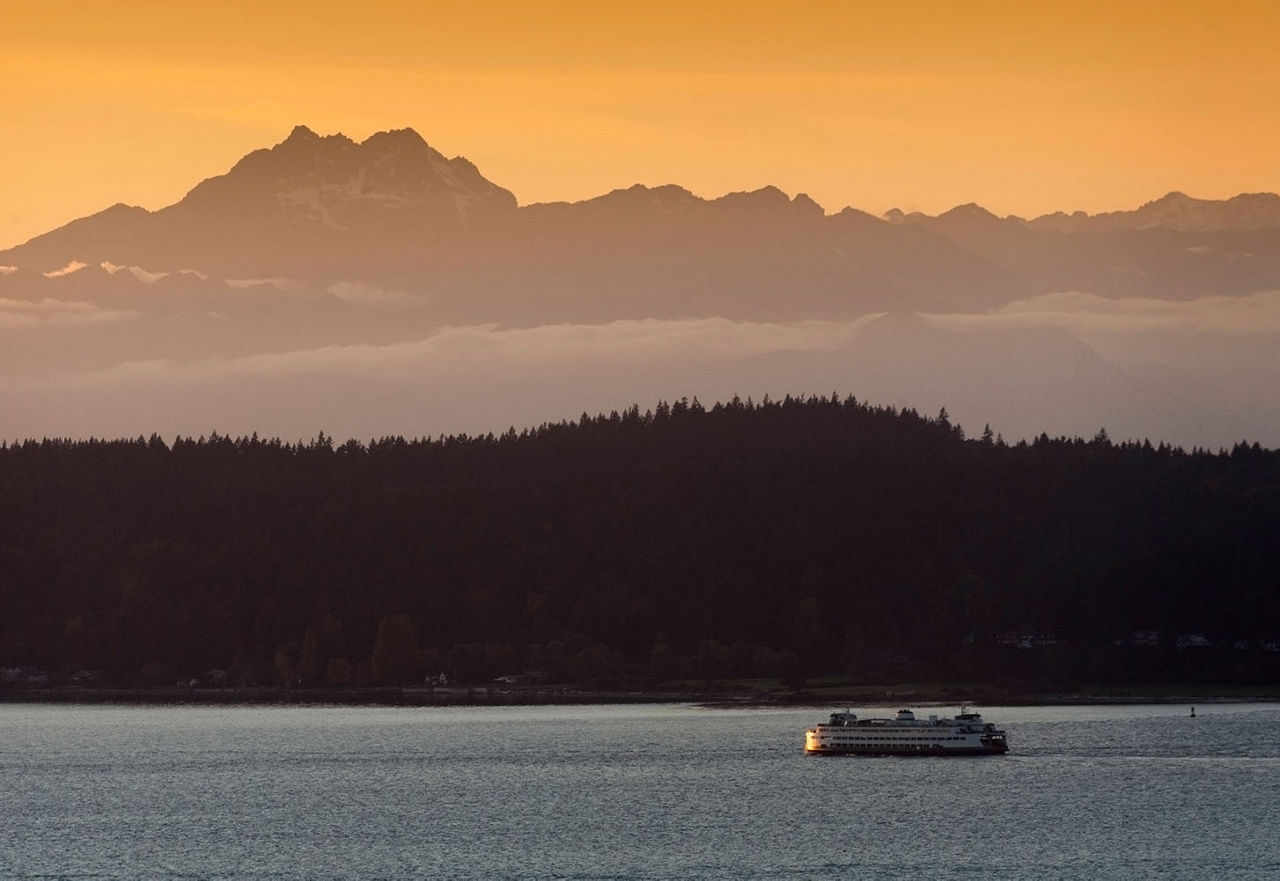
(787, 539)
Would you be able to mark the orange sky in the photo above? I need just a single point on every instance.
(1023, 107)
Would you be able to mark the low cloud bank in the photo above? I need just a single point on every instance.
(1090, 314)
(15, 314)
(1199, 373)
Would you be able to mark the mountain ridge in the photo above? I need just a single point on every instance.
(1174, 210)
(392, 210)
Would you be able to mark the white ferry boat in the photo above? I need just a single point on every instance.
(905, 735)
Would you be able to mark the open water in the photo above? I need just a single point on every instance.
(1114, 792)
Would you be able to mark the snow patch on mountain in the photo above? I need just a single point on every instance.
(70, 269)
(146, 276)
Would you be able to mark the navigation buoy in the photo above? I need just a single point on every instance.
(1193, 712)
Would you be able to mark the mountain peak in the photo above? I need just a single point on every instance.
(767, 199)
(804, 204)
(403, 137)
(1172, 201)
(332, 181)
(969, 209)
(1176, 210)
(302, 133)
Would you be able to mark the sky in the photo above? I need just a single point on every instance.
(1022, 107)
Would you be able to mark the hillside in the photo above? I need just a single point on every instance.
(790, 539)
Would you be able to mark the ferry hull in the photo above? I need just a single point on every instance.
(913, 752)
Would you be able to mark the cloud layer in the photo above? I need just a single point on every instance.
(1203, 372)
(16, 314)
(1090, 315)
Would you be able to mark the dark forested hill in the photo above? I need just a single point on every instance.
(787, 539)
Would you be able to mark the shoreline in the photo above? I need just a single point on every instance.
(712, 697)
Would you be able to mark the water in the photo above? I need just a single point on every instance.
(627, 792)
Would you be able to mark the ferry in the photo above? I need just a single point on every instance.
(905, 735)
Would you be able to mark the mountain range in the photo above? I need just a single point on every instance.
(393, 210)
(322, 252)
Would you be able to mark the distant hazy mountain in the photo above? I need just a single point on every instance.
(380, 286)
(394, 211)
(308, 206)
(1173, 248)
(1248, 211)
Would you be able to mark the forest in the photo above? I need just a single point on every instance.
(790, 539)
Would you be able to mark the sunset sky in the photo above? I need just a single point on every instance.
(1022, 107)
